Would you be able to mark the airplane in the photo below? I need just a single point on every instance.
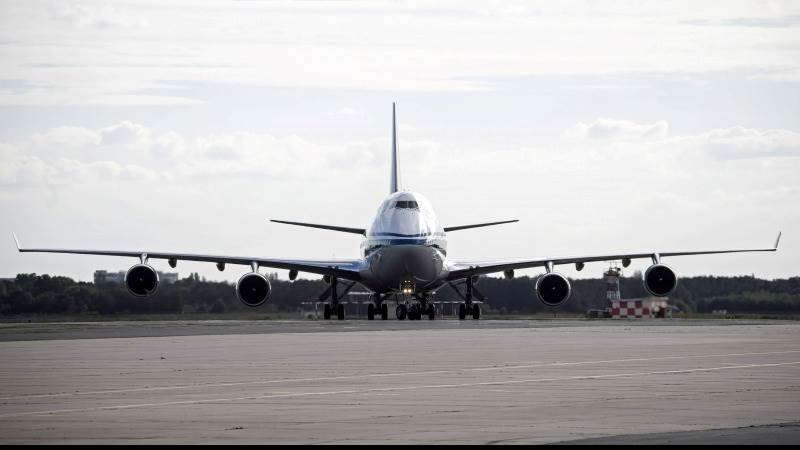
(404, 257)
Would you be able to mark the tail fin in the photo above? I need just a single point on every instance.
(395, 181)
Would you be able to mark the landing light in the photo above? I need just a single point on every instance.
(407, 287)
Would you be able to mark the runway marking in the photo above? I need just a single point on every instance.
(397, 388)
(379, 375)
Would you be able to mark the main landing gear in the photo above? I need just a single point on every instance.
(468, 307)
(378, 306)
(332, 292)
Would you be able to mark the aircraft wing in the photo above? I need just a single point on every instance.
(464, 269)
(346, 268)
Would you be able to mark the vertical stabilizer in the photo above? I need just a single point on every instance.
(394, 182)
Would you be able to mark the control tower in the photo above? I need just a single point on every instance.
(611, 277)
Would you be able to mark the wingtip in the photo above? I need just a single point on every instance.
(16, 241)
(777, 240)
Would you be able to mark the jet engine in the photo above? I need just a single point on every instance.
(552, 289)
(660, 280)
(141, 280)
(253, 289)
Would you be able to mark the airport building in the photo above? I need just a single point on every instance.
(104, 276)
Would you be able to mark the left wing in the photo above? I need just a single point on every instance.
(464, 269)
(347, 268)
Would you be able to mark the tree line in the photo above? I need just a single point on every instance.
(32, 294)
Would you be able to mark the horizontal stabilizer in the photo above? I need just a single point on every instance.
(361, 231)
(478, 225)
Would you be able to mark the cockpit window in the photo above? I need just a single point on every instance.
(407, 204)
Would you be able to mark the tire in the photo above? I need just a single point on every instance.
(462, 311)
(384, 312)
(340, 311)
(327, 312)
(413, 313)
(431, 312)
(476, 312)
(370, 312)
(401, 312)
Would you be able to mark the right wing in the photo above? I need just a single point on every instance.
(347, 269)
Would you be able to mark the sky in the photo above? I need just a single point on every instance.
(602, 126)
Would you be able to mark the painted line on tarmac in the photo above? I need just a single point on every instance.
(379, 375)
(395, 389)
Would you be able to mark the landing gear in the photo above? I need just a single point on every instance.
(401, 311)
(327, 313)
(431, 312)
(476, 312)
(468, 307)
(413, 312)
(340, 311)
(378, 306)
(333, 293)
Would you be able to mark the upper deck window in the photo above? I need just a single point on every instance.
(407, 204)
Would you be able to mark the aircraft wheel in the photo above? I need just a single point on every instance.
(462, 311)
(413, 312)
(401, 312)
(370, 312)
(431, 312)
(327, 312)
(476, 312)
(340, 311)
(384, 311)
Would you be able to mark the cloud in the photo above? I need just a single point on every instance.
(612, 129)
(736, 142)
(344, 112)
(743, 143)
(68, 136)
(129, 151)
(124, 133)
(112, 55)
(27, 171)
(97, 16)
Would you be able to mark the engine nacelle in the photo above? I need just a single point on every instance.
(553, 289)
(141, 280)
(253, 289)
(660, 280)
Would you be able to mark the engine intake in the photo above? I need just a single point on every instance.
(552, 289)
(141, 280)
(253, 289)
(660, 280)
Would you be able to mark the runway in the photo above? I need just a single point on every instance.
(411, 382)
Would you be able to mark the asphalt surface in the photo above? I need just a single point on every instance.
(400, 382)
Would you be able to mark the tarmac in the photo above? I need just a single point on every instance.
(499, 382)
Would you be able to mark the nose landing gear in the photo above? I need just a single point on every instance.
(418, 310)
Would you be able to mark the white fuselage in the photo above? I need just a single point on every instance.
(405, 247)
